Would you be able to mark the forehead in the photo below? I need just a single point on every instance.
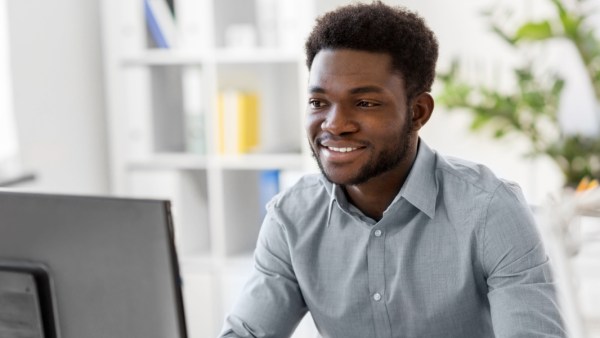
(338, 68)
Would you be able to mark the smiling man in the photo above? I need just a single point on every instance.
(392, 239)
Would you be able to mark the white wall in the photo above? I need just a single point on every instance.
(57, 84)
(8, 137)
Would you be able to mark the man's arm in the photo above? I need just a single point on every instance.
(271, 304)
(521, 292)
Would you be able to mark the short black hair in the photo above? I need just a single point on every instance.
(380, 28)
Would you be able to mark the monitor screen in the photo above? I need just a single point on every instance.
(98, 267)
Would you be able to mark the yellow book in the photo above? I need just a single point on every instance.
(239, 122)
(248, 123)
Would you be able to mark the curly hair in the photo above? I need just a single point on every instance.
(380, 28)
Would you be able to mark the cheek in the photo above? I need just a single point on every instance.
(381, 128)
(312, 124)
(385, 134)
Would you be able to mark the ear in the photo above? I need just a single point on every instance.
(422, 107)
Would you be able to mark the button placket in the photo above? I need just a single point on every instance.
(377, 283)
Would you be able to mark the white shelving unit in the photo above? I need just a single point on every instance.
(163, 123)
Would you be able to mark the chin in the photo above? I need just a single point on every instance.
(337, 180)
(343, 179)
(333, 178)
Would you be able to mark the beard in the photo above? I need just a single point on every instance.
(379, 163)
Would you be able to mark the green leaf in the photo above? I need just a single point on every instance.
(559, 7)
(511, 40)
(571, 22)
(571, 25)
(534, 31)
(499, 133)
(479, 120)
(557, 87)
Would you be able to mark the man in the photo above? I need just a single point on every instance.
(393, 239)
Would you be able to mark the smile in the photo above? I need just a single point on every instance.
(342, 150)
(341, 154)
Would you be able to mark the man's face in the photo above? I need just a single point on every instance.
(358, 123)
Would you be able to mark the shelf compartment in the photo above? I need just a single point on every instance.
(245, 210)
(280, 106)
(166, 110)
(187, 190)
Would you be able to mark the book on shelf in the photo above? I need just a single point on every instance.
(171, 5)
(239, 125)
(161, 23)
(193, 108)
(268, 187)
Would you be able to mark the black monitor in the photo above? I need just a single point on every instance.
(88, 267)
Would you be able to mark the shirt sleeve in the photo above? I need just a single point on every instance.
(521, 289)
(271, 304)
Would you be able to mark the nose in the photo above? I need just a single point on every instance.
(339, 121)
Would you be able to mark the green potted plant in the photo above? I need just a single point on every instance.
(531, 108)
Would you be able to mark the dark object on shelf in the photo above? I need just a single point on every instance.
(16, 179)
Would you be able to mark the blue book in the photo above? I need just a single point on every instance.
(161, 23)
(268, 187)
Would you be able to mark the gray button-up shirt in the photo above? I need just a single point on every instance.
(456, 254)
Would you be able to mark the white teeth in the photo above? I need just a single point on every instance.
(342, 150)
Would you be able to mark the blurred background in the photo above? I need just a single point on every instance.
(202, 102)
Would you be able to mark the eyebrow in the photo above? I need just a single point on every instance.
(316, 89)
(366, 89)
(357, 90)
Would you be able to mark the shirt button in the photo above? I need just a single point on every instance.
(378, 233)
(377, 296)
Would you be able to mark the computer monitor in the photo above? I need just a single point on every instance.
(93, 267)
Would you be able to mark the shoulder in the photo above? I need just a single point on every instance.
(488, 197)
(308, 188)
(308, 183)
(461, 172)
(309, 197)
(505, 224)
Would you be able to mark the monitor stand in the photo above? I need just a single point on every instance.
(27, 308)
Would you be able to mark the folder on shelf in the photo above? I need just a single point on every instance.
(161, 23)
(239, 125)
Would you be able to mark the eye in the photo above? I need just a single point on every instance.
(315, 103)
(366, 104)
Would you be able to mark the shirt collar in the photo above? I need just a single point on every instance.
(420, 188)
(336, 194)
